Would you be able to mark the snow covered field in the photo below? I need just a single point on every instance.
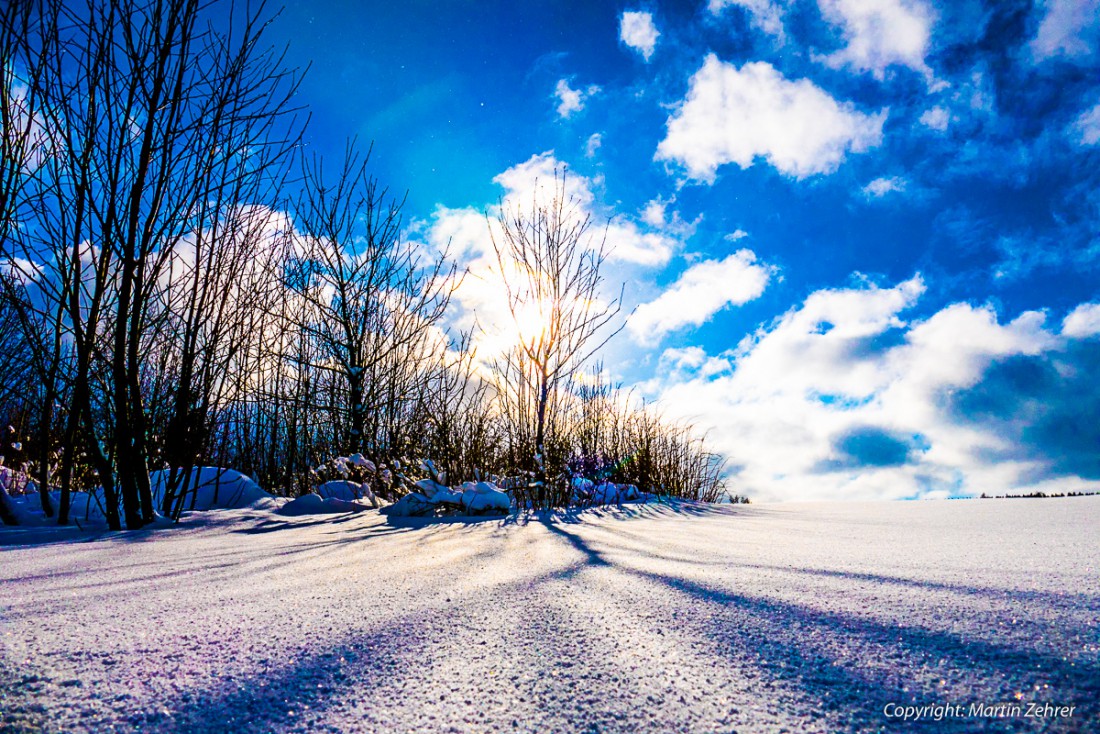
(759, 618)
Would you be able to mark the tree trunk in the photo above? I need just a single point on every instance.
(358, 410)
(106, 473)
(44, 454)
(540, 441)
(7, 510)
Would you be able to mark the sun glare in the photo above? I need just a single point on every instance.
(532, 322)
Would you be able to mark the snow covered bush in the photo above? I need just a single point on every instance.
(356, 477)
(436, 500)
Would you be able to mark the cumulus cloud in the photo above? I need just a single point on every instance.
(844, 397)
(1083, 321)
(466, 233)
(702, 291)
(765, 15)
(880, 187)
(1088, 126)
(627, 242)
(21, 270)
(572, 100)
(880, 33)
(936, 118)
(1068, 28)
(534, 178)
(736, 115)
(653, 213)
(636, 30)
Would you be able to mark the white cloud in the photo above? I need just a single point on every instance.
(534, 178)
(572, 100)
(1088, 126)
(1083, 321)
(1064, 27)
(688, 362)
(700, 292)
(481, 296)
(842, 398)
(764, 14)
(936, 118)
(882, 186)
(654, 213)
(20, 269)
(737, 234)
(626, 242)
(734, 115)
(595, 140)
(636, 29)
(880, 33)
(463, 232)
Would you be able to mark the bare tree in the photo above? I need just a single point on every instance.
(550, 260)
(28, 41)
(150, 113)
(375, 302)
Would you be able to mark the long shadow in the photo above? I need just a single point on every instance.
(422, 523)
(853, 690)
(28, 536)
(78, 532)
(1061, 598)
(276, 525)
(624, 511)
(92, 579)
(305, 687)
(288, 695)
(17, 714)
(278, 698)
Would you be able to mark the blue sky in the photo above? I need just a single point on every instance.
(862, 237)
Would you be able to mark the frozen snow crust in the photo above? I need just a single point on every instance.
(808, 618)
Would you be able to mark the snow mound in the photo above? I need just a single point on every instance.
(343, 489)
(210, 488)
(586, 492)
(213, 488)
(483, 497)
(315, 504)
(436, 499)
(411, 505)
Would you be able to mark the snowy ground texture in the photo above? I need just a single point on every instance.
(687, 619)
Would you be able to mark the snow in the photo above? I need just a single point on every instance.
(475, 498)
(585, 492)
(362, 462)
(342, 489)
(483, 496)
(211, 488)
(315, 504)
(758, 618)
(430, 488)
(216, 489)
(411, 505)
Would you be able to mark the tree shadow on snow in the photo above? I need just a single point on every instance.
(878, 663)
(1064, 598)
(421, 523)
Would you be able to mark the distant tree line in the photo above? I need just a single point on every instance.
(1036, 495)
(181, 286)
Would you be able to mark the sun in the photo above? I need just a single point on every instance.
(532, 322)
